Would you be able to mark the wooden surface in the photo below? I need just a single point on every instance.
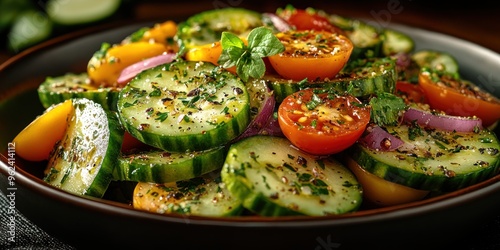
(475, 21)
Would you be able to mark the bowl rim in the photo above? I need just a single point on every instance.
(444, 201)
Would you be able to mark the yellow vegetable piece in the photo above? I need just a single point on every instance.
(382, 192)
(105, 67)
(161, 33)
(36, 141)
(208, 53)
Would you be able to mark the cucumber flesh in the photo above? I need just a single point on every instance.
(206, 27)
(436, 60)
(185, 106)
(60, 88)
(205, 195)
(395, 42)
(366, 38)
(76, 12)
(83, 161)
(437, 160)
(157, 166)
(272, 178)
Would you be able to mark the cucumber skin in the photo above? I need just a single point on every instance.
(258, 202)
(103, 178)
(136, 167)
(352, 80)
(417, 178)
(210, 138)
(49, 96)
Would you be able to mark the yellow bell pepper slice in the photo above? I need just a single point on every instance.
(36, 141)
(105, 66)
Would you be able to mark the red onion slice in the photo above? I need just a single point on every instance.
(279, 23)
(132, 70)
(444, 122)
(379, 139)
(262, 118)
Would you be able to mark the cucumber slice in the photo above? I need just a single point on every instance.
(436, 160)
(366, 38)
(436, 60)
(206, 27)
(29, 28)
(60, 88)
(361, 78)
(76, 12)
(185, 106)
(157, 166)
(395, 42)
(83, 161)
(272, 178)
(203, 196)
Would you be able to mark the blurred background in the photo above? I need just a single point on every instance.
(26, 23)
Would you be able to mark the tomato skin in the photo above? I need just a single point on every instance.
(306, 20)
(410, 92)
(455, 99)
(329, 128)
(314, 55)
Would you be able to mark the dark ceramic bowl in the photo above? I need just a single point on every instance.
(85, 222)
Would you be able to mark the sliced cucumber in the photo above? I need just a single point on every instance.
(395, 42)
(157, 166)
(60, 88)
(83, 161)
(76, 12)
(272, 178)
(185, 106)
(29, 28)
(206, 27)
(203, 196)
(436, 60)
(366, 38)
(362, 77)
(434, 160)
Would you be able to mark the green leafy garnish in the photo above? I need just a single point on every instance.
(386, 109)
(248, 59)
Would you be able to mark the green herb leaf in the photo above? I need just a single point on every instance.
(248, 59)
(386, 108)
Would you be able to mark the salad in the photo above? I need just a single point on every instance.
(233, 112)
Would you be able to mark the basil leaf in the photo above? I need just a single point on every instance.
(262, 42)
(248, 59)
(230, 56)
(231, 40)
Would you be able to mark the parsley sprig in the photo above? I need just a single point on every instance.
(248, 59)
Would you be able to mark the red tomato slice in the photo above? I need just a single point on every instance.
(309, 20)
(314, 55)
(322, 123)
(411, 93)
(459, 97)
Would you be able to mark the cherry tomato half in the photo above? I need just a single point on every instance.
(459, 97)
(322, 123)
(309, 20)
(314, 55)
